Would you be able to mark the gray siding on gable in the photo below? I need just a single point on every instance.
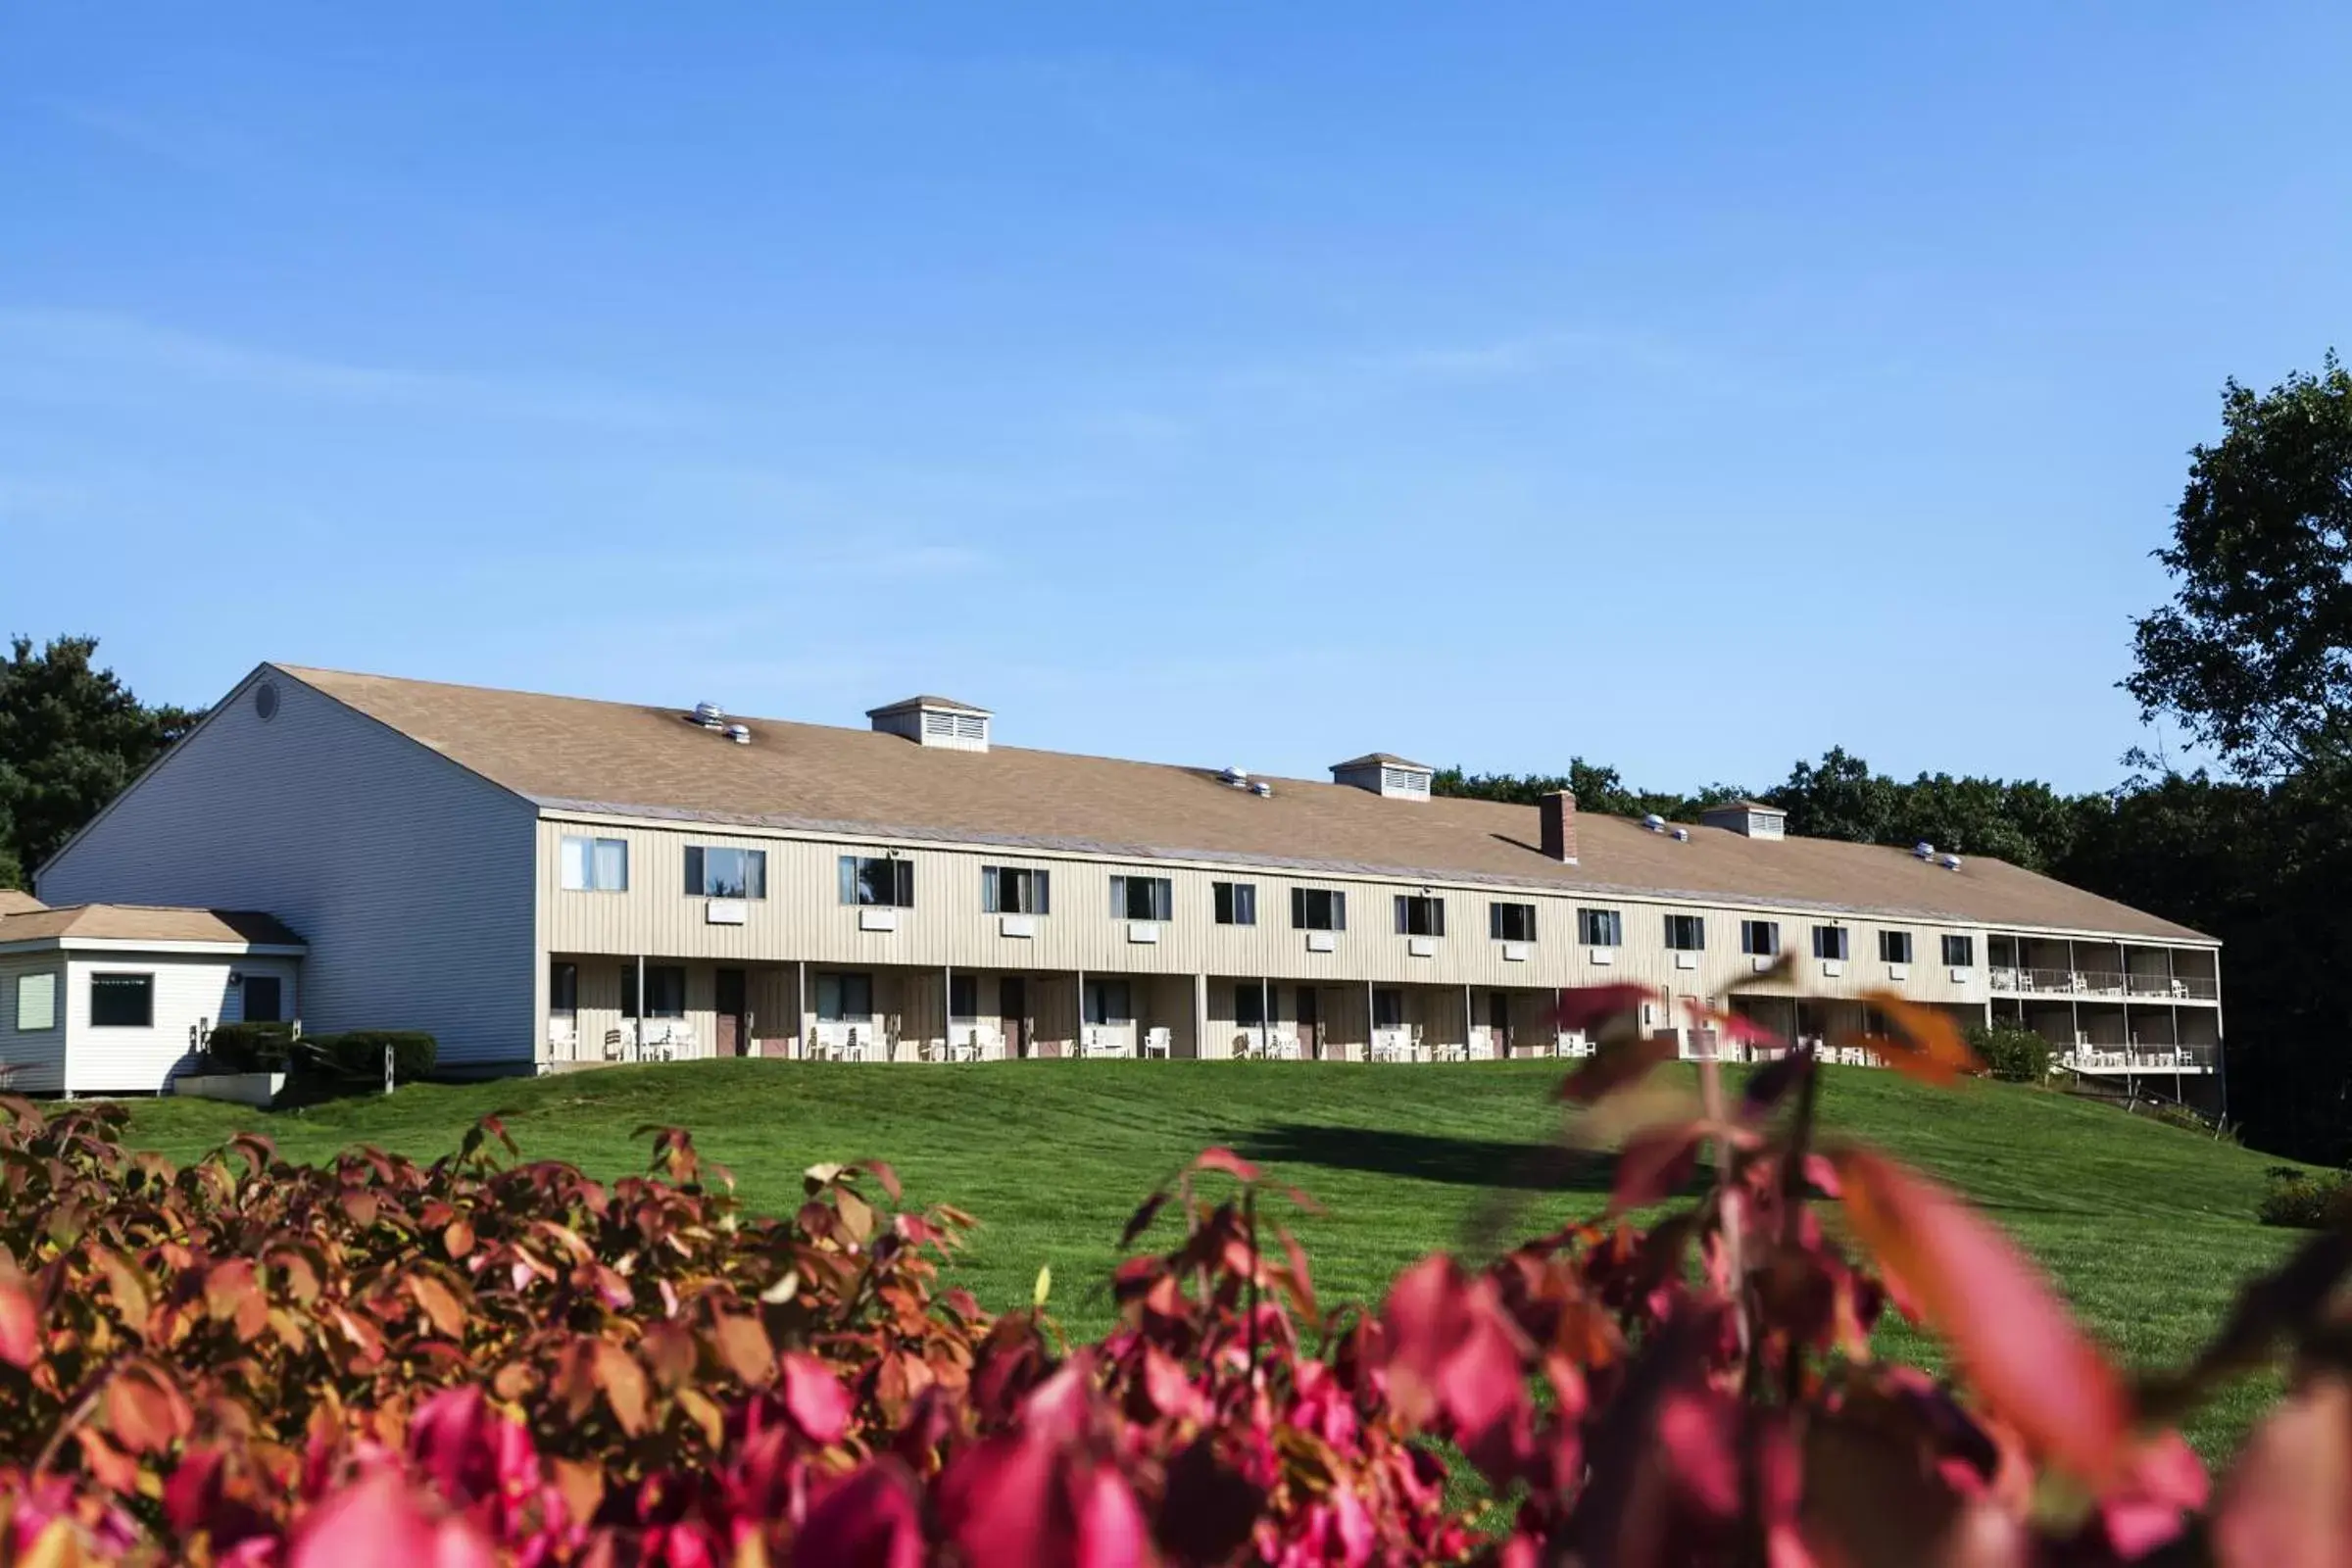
(412, 880)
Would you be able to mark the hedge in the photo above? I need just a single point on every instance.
(250, 1047)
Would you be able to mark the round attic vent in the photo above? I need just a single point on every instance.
(265, 700)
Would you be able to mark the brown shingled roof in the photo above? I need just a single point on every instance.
(140, 922)
(1382, 759)
(573, 752)
(13, 901)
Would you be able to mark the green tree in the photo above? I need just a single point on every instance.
(1601, 791)
(72, 736)
(2254, 653)
(1840, 798)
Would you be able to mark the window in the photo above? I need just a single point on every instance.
(564, 989)
(1685, 933)
(844, 998)
(1388, 1009)
(36, 1002)
(595, 865)
(1960, 951)
(880, 879)
(1015, 890)
(1511, 922)
(664, 990)
(1828, 942)
(1599, 928)
(1418, 915)
(723, 873)
(1318, 909)
(1107, 1001)
(1141, 897)
(1894, 947)
(262, 1000)
(1760, 938)
(1237, 903)
(964, 998)
(122, 1000)
(1249, 1004)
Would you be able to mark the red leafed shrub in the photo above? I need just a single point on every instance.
(489, 1361)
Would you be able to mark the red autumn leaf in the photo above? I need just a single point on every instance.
(875, 1519)
(882, 1173)
(1926, 1043)
(1141, 1220)
(995, 1501)
(1615, 1069)
(19, 1323)
(456, 1239)
(143, 1410)
(2288, 1503)
(1654, 1165)
(1450, 1351)
(622, 1381)
(744, 1346)
(1586, 1007)
(2163, 1484)
(1226, 1161)
(1110, 1530)
(818, 1403)
(1170, 1388)
(439, 1303)
(378, 1522)
(2015, 1340)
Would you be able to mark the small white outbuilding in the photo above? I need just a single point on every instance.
(109, 998)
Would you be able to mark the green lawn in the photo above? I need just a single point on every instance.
(2145, 1227)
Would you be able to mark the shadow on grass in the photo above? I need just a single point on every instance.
(1430, 1157)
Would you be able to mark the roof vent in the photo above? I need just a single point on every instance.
(1262, 789)
(1393, 777)
(1654, 823)
(1237, 777)
(941, 722)
(1682, 835)
(1750, 818)
(740, 734)
(1923, 850)
(1950, 863)
(710, 715)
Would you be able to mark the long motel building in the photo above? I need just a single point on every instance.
(547, 882)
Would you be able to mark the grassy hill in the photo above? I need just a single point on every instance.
(2145, 1227)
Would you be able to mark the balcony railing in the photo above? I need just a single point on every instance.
(2108, 984)
(2155, 1059)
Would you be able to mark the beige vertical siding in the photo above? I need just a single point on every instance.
(802, 917)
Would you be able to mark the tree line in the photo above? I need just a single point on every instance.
(2252, 655)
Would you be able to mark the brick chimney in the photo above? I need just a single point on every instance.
(1559, 825)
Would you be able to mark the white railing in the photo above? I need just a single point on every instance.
(2101, 983)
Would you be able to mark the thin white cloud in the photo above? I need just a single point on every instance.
(77, 356)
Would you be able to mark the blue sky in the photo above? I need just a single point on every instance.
(1690, 390)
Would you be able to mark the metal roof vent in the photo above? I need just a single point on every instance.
(1923, 850)
(1682, 835)
(1237, 777)
(1654, 823)
(1262, 789)
(1950, 863)
(740, 734)
(710, 715)
(935, 722)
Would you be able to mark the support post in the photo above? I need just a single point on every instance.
(1078, 1015)
(1266, 1018)
(1199, 1016)
(800, 1008)
(1467, 1026)
(640, 1018)
(947, 1014)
